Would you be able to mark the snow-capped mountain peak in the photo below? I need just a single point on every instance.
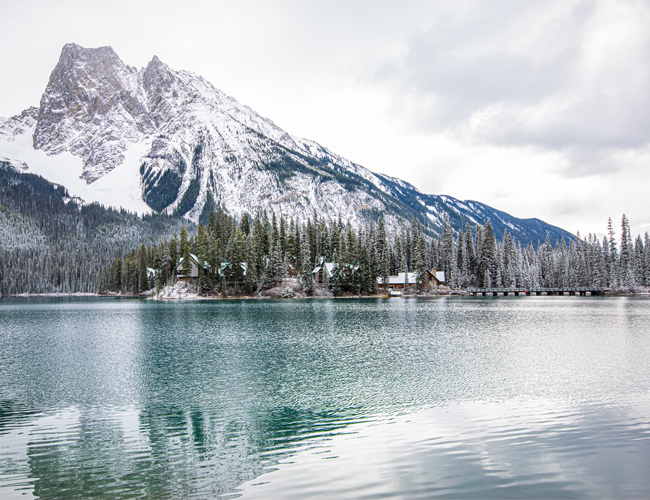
(171, 140)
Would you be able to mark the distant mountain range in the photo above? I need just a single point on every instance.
(166, 141)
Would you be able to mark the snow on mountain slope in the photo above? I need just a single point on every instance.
(169, 141)
(119, 188)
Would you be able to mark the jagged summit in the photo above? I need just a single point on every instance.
(93, 107)
(71, 53)
(172, 140)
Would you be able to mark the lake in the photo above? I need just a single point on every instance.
(487, 397)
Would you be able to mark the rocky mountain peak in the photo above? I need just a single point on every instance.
(182, 146)
(155, 61)
(156, 67)
(100, 57)
(91, 91)
(158, 82)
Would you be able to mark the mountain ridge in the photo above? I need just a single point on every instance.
(168, 141)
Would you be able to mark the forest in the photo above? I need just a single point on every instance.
(250, 255)
(52, 243)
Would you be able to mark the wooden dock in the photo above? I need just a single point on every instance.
(592, 291)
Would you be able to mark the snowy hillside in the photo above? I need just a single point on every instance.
(161, 140)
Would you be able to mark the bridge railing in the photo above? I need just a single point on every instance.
(535, 289)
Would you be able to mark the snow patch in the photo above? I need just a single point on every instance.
(178, 291)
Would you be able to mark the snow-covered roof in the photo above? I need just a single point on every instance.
(399, 279)
(195, 261)
(226, 265)
(327, 268)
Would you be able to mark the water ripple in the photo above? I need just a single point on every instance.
(351, 399)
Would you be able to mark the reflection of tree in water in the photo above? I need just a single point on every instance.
(158, 453)
(221, 393)
(13, 413)
(201, 453)
(80, 453)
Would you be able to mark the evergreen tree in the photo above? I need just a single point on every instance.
(143, 284)
(613, 257)
(646, 260)
(235, 254)
(365, 272)
(385, 273)
(488, 260)
(626, 277)
(638, 263)
(448, 245)
(117, 274)
(335, 280)
(307, 279)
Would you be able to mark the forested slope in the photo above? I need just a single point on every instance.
(52, 243)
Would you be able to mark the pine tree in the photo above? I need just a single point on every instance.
(235, 254)
(365, 272)
(117, 274)
(307, 279)
(613, 257)
(385, 274)
(335, 280)
(245, 224)
(283, 237)
(646, 260)
(406, 274)
(626, 277)
(599, 267)
(143, 279)
(637, 265)
(488, 258)
(448, 245)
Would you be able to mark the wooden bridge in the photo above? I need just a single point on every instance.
(536, 291)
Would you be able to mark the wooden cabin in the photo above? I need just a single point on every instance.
(293, 271)
(431, 279)
(227, 268)
(323, 273)
(398, 282)
(194, 262)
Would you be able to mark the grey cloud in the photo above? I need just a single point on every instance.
(566, 207)
(520, 67)
(594, 120)
(470, 60)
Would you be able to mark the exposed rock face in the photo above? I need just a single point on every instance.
(204, 148)
(93, 107)
(19, 125)
(195, 148)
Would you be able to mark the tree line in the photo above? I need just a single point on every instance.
(252, 254)
(478, 260)
(52, 243)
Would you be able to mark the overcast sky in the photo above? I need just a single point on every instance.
(540, 109)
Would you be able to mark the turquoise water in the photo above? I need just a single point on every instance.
(508, 397)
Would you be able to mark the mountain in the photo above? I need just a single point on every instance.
(166, 141)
